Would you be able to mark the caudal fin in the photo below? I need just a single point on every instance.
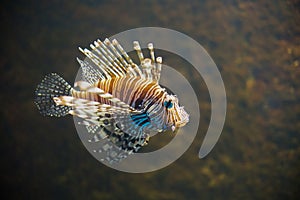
(52, 86)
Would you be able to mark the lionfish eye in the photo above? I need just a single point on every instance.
(168, 104)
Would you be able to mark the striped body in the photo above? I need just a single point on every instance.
(139, 93)
(130, 90)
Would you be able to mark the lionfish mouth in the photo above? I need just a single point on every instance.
(184, 116)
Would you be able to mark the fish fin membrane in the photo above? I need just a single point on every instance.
(89, 73)
(52, 86)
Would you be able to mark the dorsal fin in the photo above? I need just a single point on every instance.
(150, 69)
(112, 61)
(98, 62)
(132, 67)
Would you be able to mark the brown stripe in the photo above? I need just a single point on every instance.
(111, 84)
(142, 93)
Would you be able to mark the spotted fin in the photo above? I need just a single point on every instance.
(115, 149)
(52, 86)
(111, 153)
(107, 122)
(89, 74)
(115, 144)
(128, 120)
(92, 128)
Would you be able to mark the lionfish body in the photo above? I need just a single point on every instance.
(117, 100)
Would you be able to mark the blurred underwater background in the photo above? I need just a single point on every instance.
(256, 47)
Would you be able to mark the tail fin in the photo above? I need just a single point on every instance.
(52, 86)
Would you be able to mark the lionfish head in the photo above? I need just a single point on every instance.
(176, 115)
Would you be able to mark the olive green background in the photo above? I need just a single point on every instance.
(256, 46)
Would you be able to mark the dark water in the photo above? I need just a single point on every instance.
(256, 46)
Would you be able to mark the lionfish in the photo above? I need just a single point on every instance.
(117, 100)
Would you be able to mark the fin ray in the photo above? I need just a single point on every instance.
(113, 61)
